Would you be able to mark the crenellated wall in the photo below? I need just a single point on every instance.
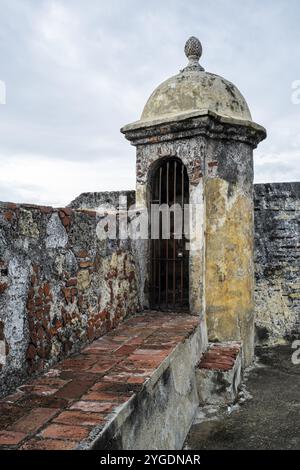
(60, 286)
(277, 261)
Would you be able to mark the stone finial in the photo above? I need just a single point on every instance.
(193, 51)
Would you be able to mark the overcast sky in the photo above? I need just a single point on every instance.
(76, 71)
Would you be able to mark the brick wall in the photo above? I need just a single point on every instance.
(60, 286)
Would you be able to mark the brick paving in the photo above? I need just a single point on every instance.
(220, 356)
(60, 408)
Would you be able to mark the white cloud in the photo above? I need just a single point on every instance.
(81, 70)
(277, 167)
(57, 182)
(57, 34)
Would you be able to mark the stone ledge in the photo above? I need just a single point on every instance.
(112, 393)
(219, 373)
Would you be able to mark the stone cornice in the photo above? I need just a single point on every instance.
(205, 122)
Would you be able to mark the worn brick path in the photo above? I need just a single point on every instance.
(220, 356)
(59, 409)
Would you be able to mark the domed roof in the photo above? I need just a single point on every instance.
(193, 89)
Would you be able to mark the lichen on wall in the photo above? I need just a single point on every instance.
(277, 262)
(229, 266)
(60, 286)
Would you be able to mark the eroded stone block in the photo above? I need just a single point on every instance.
(219, 374)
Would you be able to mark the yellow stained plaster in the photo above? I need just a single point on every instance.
(229, 264)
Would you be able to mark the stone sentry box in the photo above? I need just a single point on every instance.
(203, 120)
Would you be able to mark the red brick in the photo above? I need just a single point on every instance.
(126, 349)
(3, 287)
(90, 332)
(46, 289)
(73, 379)
(46, 209)
(103, 347)
(54, 382)
(147, 361)
(75, 389)
(31, 352)
(81, 418)
(13, 397)
(62, 431)
(89, 212)
(135, 341)
(67, 294)
(66, 211)
(11, 205)
(11, 438)
(150, 352)
(137, 379)
(35, 268)
(81, 363)
(34, 401)
(113, 376)
(40, 390)
(82, 254)
(130, 368)
(66, 221)
(119, 339)
(103, 366)
(93, 395)
(93, 406)
(9, 413)
(33, 420)
(49, 444)
(8, 215)
(213, 356)
(120, 389)
(86, 264)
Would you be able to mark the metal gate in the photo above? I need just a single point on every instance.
(169, 277)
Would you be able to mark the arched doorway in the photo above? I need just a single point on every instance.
(169, 276)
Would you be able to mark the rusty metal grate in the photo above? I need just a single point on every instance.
(169, 258)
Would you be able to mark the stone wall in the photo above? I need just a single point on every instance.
(105, 200)
(229, 265)
(277, 259)
(60, 286)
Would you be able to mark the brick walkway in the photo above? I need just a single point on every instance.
(59, 409)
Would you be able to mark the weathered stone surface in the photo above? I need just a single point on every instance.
(219, 374)
(146, 399)
(193, 90)
(229, 273)
(217, 152)
(49, 444)
(56, 234)
(277, 261)
(269, 416)
(102, 201)
(60, 287)
(160, 414)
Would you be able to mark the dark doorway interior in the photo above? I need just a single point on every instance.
(169, 278)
